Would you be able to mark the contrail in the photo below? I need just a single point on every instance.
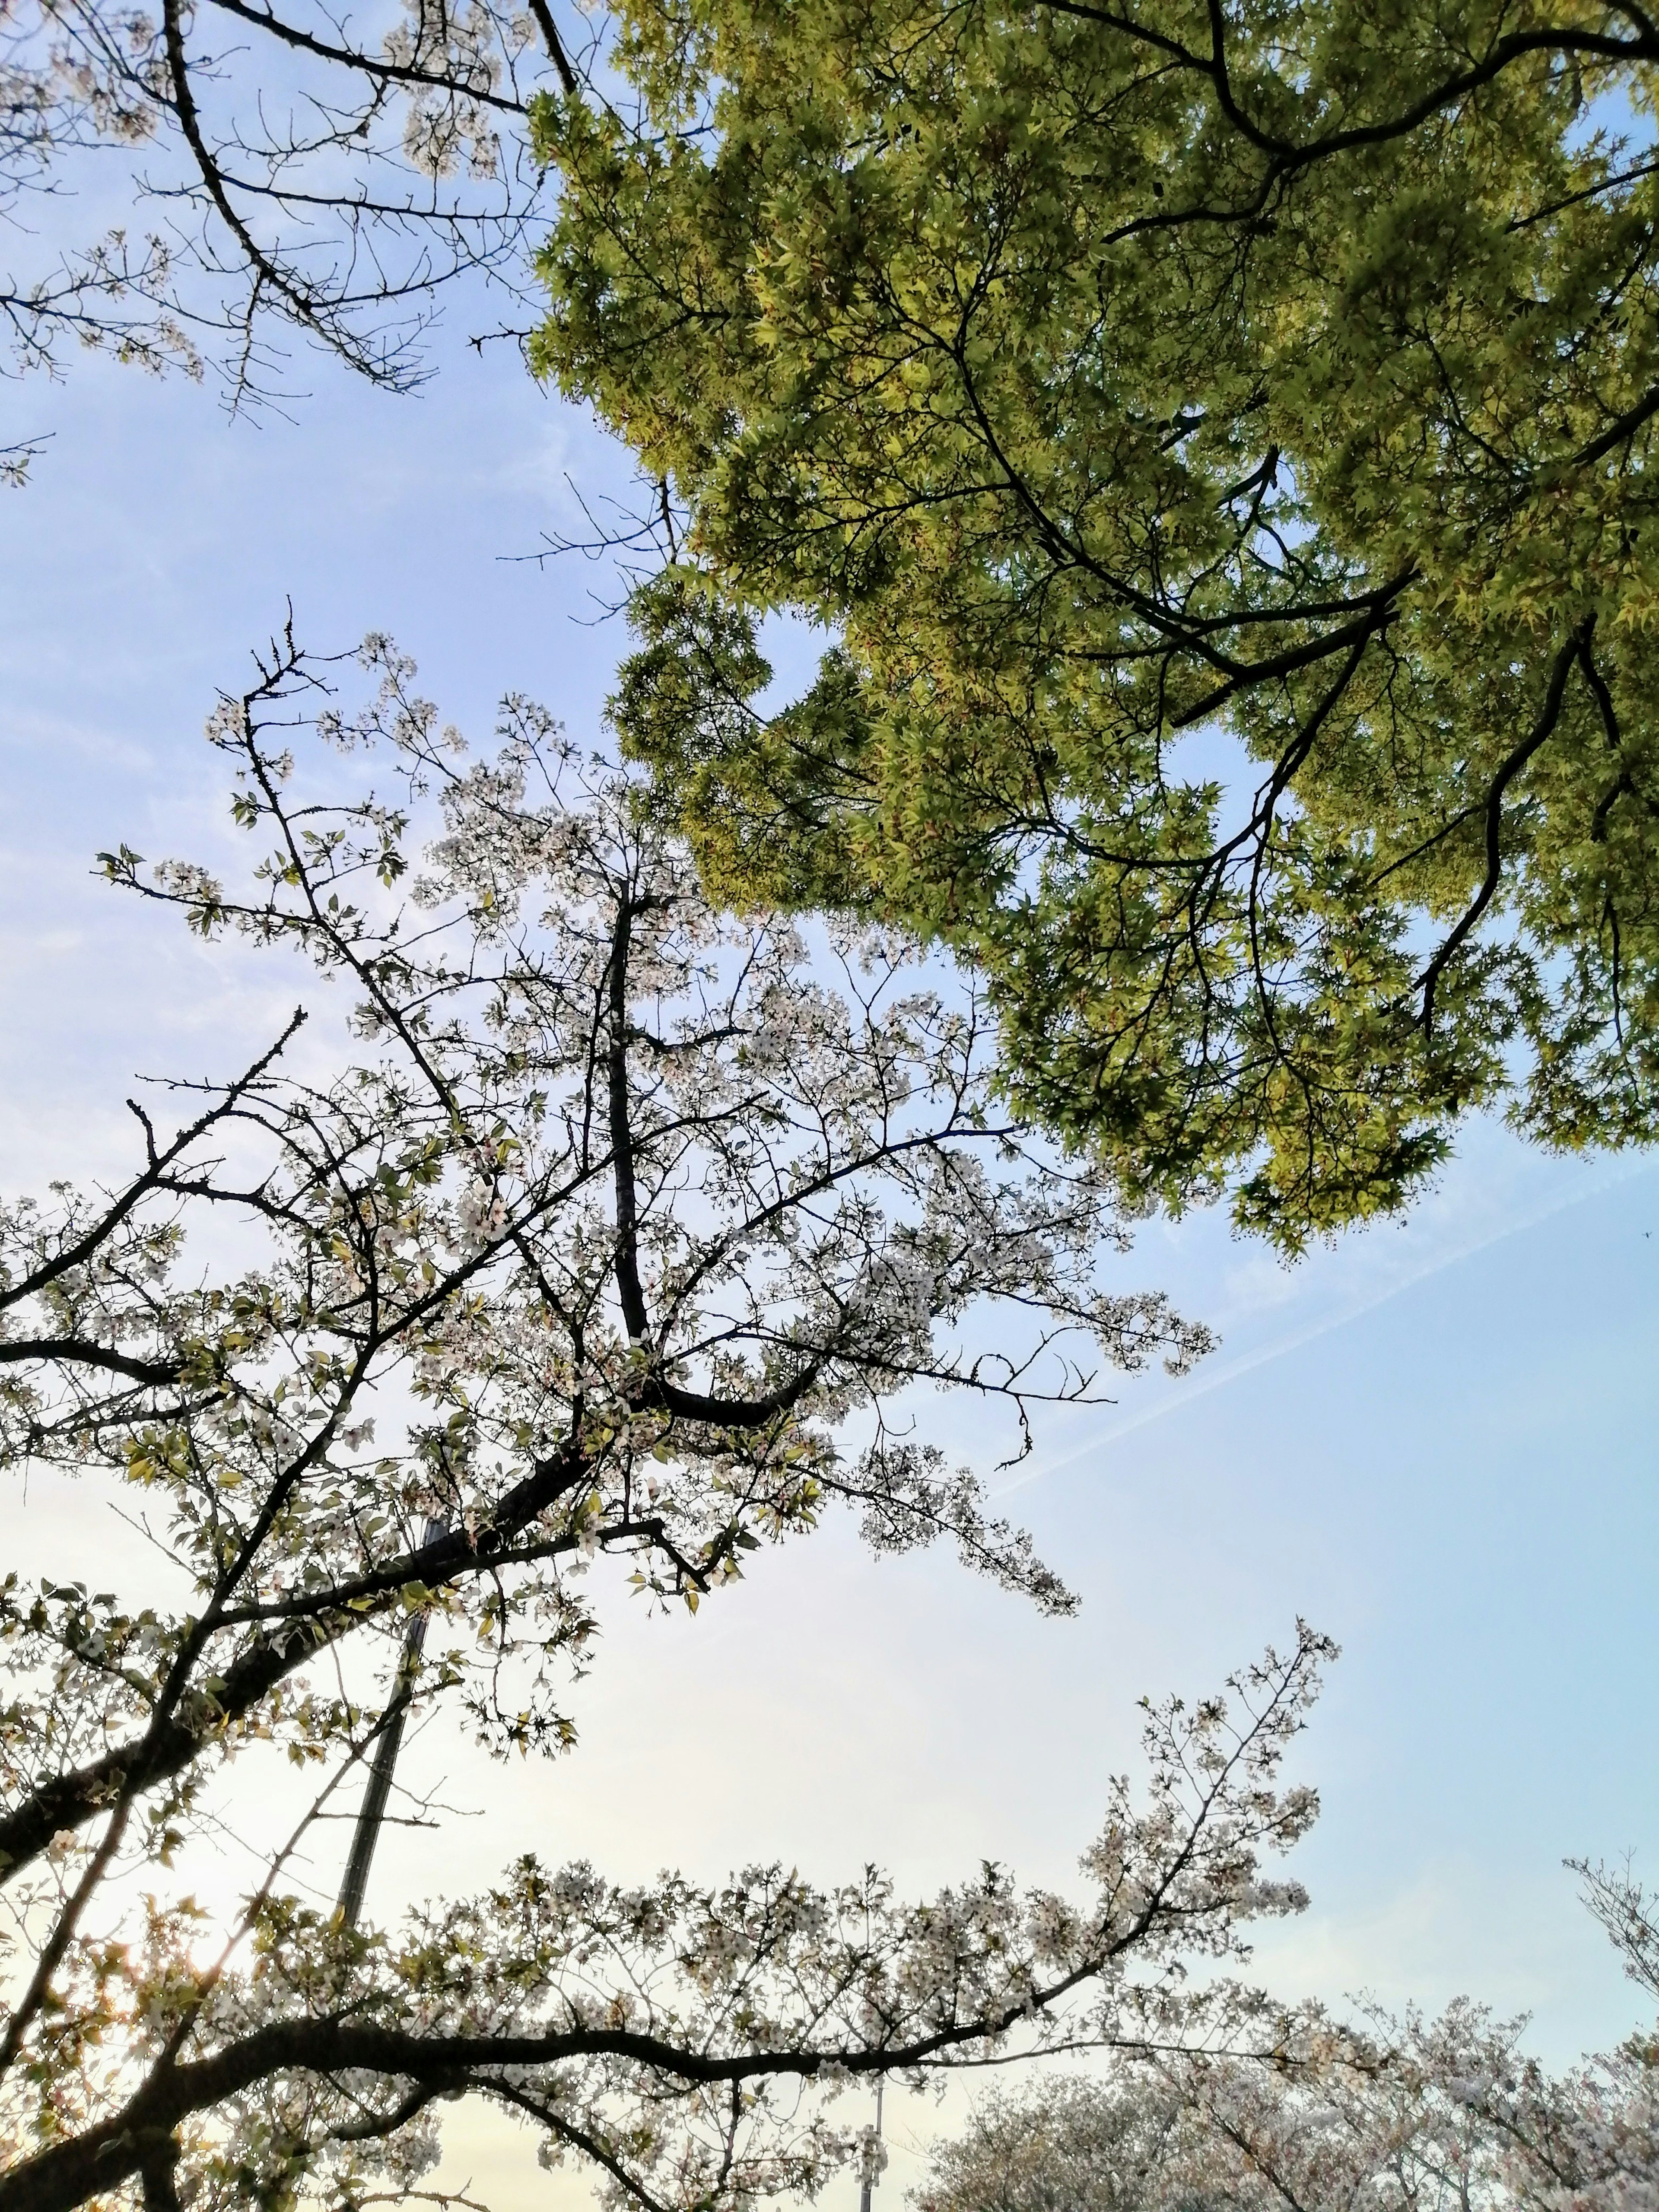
(1250, 1361)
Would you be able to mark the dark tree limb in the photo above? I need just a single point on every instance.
(1542, 729)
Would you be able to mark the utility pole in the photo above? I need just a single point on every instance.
(372, 1813)
(872, 2155)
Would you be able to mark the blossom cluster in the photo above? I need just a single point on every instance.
(578, 1222)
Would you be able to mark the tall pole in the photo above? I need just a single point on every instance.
(372, 1813)
(872, 2155)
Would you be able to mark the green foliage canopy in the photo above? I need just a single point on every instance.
(1215, 433)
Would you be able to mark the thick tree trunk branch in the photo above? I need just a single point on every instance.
(61, 2178)
(77, 1352)
(165, 1753)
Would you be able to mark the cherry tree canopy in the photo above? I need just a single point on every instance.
(623, 1233)
(200, 186)
(1388, 2114)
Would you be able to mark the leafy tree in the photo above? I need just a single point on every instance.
(1216, 433)
(630, 1233)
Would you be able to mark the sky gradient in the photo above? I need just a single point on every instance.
(1435, 1441)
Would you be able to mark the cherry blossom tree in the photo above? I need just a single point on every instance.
(606, 1229)
(245, 174)
(1391, 2114)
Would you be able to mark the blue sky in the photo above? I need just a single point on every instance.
(1436, 1441)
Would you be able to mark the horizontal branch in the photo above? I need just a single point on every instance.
(66, 2175)
(78, 1352)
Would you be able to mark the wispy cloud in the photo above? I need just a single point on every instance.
(1186, 1393)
